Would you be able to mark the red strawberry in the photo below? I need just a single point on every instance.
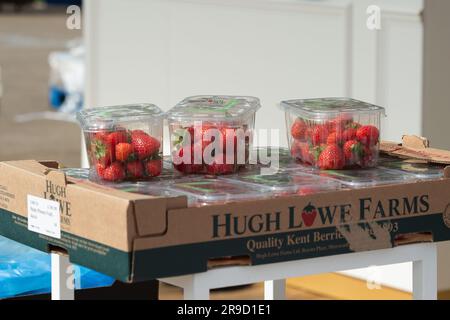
(349, 134)
(319, 135)
(100, 168)
(353, 125)
(135, 170)
(144, 145)
(189, 167)
(305, 153)
(335, 138)
(298, 129)
(208, 136)
(368, 135)
(101, 135)
(339, 123)
(115, 172)
(309, 214)
(295, 149)
(218, 166)
(154, 167)
(331, 158)
(124, 151)
(139, 132)
(103, 152)
(303, 191)
(352, 151)
(368, 157)
(117, 137)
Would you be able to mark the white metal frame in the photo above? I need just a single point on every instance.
(197, 286)
(423, 256)
(63, 285)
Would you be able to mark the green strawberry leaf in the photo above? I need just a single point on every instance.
(316, 151)
(357, 149)
(99, 149)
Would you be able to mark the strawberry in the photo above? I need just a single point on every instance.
(100, 135)
(339, 123)
(135, 170)
(335, 138)
(115, 172)
(353, 125)
(349, 134)
(117, 137)
(368, 135)
(144, 145)
(230, 134)
(100, 168)
(352, 151)
(189, 167)
(319, 135)
(303, 191)
(182, 136)
(301, 151)
(103, 152)
(208, 136)
(154, 167)
(218, 166)
(331, 158)
(368, 157)
(296, 149)
(305, 153)
(298, 129)
(124, 152)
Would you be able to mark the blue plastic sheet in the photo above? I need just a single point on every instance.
(24, 270)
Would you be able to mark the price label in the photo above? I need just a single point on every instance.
(44, 216)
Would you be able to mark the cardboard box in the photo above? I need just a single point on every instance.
(99, 226)
(135, 238)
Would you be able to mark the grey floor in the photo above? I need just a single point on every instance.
(25, 42)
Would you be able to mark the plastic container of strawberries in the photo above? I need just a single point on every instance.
(124, 143)
(334, 133)
(212, 134)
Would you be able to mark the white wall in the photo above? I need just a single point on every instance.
(163, 50)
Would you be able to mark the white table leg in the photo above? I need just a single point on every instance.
(63, 279)
(425, 275)
(275, 289)
(195, 289)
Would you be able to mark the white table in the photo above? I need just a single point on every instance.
(197, 286)
(423, 256)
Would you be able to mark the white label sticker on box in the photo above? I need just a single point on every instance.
(44, 216)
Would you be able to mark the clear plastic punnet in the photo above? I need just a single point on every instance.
(77, 173)
(333, 133)
(212, 134)
(214, 191)
(362, 178)
(286, 183)
(420, 169)
(123, 142)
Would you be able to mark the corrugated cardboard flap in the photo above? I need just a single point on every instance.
(151, 214)
(414, 147)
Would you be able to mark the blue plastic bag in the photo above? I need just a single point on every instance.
(24, 270)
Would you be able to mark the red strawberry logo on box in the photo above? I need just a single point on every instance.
(309, 214)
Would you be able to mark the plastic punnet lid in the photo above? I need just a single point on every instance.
(368, 177)
(324, 107)
(107, 117)
(214, 108)
(420, 169)
(281, 181)
(215, 190)
(77, 173)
